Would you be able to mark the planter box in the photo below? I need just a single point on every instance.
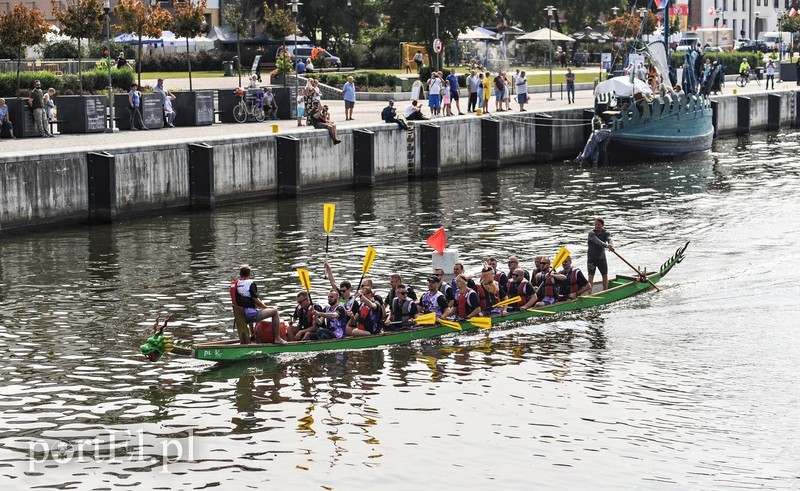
(81, 114)
(21, 116)
(285, 97)
(194, 108)
(788, 72)
(152, 111)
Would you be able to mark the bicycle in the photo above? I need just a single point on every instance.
(254, 108)
(742, 80)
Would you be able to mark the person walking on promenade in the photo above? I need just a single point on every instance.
(134, 105)
(480, 91)
(500, 89)
(487, 91)
(522, 90)
(36, 102)
(770, 74)
(473, 82)
(418, 60)
(570, 86)
(454, 92)
(349, 96)
(434, 94)
(166, 101)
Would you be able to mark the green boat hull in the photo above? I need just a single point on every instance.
(620, 288)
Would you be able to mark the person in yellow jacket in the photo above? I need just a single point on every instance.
(487, 91)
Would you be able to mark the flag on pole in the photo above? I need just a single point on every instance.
(438, 241)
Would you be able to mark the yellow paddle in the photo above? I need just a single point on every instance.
(328, 210)
(369, 257)
(426, 319)
(450, 324)
(305, 280)
(508, 301)
(482, 322)
(563, 253)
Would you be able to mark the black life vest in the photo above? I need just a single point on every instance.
(369, 320)
(572, 281)
(401, 312)
(515, 289)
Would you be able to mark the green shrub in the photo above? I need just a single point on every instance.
(176, 62)
(357, 56)
(730, 61)
(383, 56)
(93, 81)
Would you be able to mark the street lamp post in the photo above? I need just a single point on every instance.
(550, 9)
(295, 5)
(107, 10)
(643, 15)
(437, 7)
(615, 10)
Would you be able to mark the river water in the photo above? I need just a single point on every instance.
(690, 388)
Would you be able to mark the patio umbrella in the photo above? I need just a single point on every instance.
(545, 34)
(477, 35)
(587, 34)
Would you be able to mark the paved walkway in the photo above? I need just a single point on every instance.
(365, 113)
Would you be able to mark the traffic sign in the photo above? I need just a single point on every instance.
(437, 45)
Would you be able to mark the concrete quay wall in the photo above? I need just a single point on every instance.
(58, 188)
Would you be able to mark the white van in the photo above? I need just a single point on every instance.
(772, 38)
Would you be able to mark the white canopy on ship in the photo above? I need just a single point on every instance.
(623, 86)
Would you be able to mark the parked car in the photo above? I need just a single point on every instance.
(754, 46)
(713, 49)
(739, 43)
(304, 52)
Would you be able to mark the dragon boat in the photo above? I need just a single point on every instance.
(228, 351)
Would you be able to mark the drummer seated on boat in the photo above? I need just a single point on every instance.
(575, 283)
(369, 316)
(548, 291)
(467, 303)
(402, 310)
(522, 287)
(304, 317)
(458, 269)
(331, 323)
(246, 297)
(490, 292)
(433, 300)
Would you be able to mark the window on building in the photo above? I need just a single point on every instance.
(734, 27)
(744, 6)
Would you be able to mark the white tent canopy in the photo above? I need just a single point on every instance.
(545, 34)
(478, 34)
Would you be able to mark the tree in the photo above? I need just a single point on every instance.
(80, 20)
(239, 24)
(629, 25)
(188, 22)
(20, 28)
(137, 19)
(414, 19)
(278, 22)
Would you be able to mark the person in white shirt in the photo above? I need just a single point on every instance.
(521, 83)
(414, 112)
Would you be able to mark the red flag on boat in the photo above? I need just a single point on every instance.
(438, 241)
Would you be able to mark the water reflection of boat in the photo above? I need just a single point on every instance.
(619, 288)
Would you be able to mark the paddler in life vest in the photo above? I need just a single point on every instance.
(433, 300)
(522, 287)
(331, 322)
(513, 263)
(548, 291)
(345, 290)
(368, 318)
(499, 276)
(575, 284)
(304, 316)
(402, 309)
(539, 273)
(396, 280)
(444, 287)
(245, 295)
(467, 303)
(458, 269)
(490, 292)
